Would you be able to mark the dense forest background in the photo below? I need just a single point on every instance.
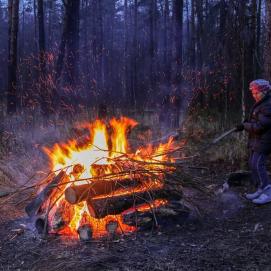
(68, 56)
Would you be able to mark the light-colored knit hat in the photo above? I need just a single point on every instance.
(260, 85)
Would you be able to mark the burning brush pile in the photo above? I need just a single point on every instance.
(99, 187)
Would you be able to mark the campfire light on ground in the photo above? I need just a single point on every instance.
(103, 158)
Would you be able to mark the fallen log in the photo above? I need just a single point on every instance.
(76, 194)
(115, 201)
(148, 187)
(116, 205)
(34, 206)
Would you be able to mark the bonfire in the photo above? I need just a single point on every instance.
(99, 185)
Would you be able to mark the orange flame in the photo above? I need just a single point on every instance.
(81, 161)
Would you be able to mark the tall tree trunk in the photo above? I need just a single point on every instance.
(1, 80)
(166, 47)
(199, 32)
(177, 41)
(258, 41)
(243, 98)
(22, 43)
(35, 24)
(50, 23)
(21, 54)
(109, 46)
(100, 47)
(188, 34)
(62, 46)
(135, 56)
(41, 37)
(126, 58)
(94, 45)
(12, 56)
(45, 99)
(152, 11)
(253, 46)
(70, 41)
(267, 53)
(193, 36)
(85, 57)
(10, 6)
(72, 50)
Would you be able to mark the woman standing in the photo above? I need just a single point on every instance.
(258, 127)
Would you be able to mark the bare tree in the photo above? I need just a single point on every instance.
(193, 36)
(126, 56)
(69, 42)
(166, 42)
(267, 54)
(135, 56)
(72, 9)
(41, 36)
(177, 41)
(132, 46)
(152, 41)
(13, 6)
(44, 90)
(259, 35)
(199, 32)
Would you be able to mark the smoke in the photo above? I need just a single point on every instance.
(229, 201)
(174, 105)
(23, 140)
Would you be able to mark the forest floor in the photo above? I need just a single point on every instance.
(230, 234)
(233, 235)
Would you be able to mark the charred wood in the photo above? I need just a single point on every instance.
(34, 206)
(116, 205)
(41, 225)
(164, 215)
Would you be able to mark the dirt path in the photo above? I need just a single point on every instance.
(228, 239)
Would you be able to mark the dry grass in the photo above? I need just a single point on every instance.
(201, 130)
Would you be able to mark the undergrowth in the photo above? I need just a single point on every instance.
(200, 130)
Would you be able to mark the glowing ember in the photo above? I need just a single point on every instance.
(103, 158)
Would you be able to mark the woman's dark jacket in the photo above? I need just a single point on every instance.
(259, 126)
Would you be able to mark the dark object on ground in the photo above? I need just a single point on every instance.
(34, 206)
(239, 178)
(240, 127)
(170, 214)
(41, 225)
